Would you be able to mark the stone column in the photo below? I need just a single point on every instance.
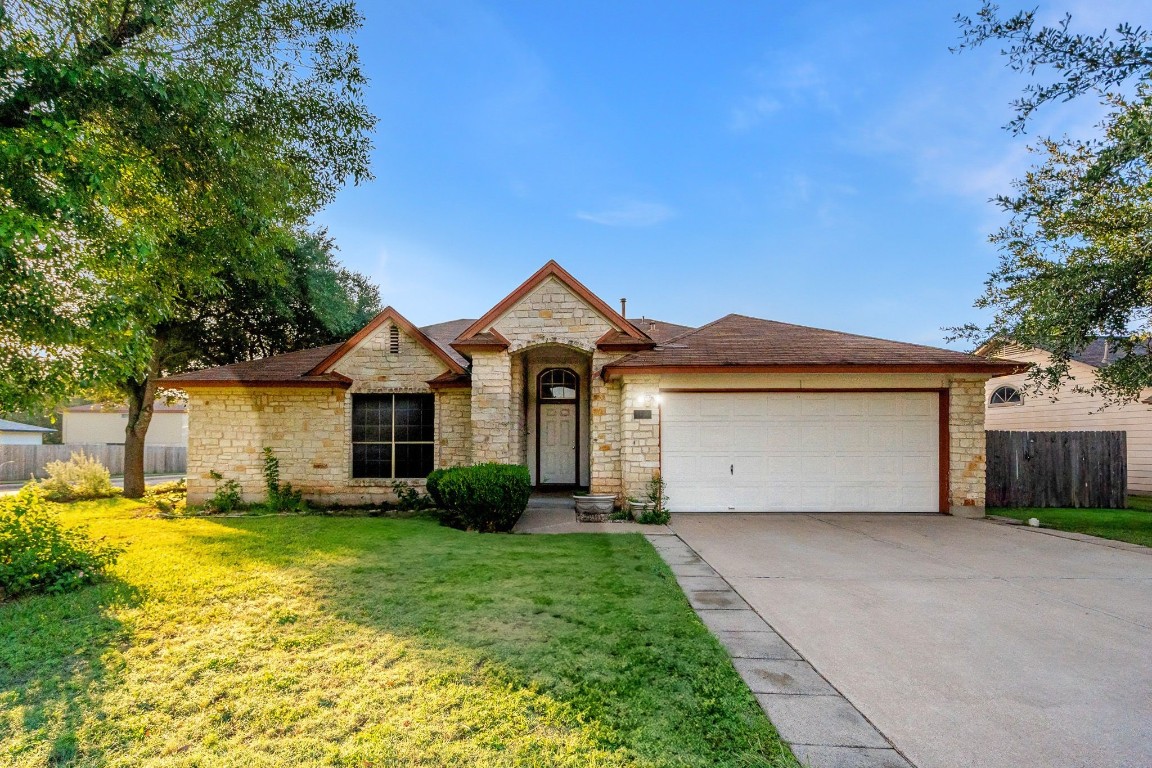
(639, 437)
(453, 428)
(604, 454)
(492, 407)
(966, 447)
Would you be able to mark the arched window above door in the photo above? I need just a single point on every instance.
(558, 384)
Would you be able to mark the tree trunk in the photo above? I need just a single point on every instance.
(141, 399)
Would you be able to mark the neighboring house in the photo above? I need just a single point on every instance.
(1011, 407)
(15, 433)
(739, 415)
(101, 424)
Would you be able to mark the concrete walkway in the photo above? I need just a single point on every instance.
(556, 513)
(965, 643)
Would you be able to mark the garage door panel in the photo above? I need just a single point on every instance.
(801, 451)
(818, 438)
(751, 437)
(702, 468)
(782, 469)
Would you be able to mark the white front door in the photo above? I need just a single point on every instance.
(557, 444)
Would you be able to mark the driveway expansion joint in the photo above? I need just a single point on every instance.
(822, 727)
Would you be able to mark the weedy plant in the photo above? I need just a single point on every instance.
(38, 554)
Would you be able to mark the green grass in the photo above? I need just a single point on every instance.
(368, 642)
(1133, 525)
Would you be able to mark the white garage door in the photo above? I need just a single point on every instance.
(800, 452)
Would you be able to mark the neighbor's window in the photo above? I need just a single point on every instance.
(557, 384)
(1006, 396)
(392, 436)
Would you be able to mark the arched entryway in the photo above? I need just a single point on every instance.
(554, 393)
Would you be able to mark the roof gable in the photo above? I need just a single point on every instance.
(387, 315)
(551, 270)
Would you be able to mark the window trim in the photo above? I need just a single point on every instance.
(1013, 396)
(352, 443)
(575, 378)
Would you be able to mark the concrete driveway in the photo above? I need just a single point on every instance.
(967, 643)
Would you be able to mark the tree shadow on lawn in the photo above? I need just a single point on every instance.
(55, 653)
(592, 622)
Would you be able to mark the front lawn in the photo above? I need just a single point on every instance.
(368, 642)
(1132, 525)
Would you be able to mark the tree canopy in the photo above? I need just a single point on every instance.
(1076, 254)
(156, 155)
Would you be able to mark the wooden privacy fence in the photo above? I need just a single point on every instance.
(1057, 469)
(20, 462)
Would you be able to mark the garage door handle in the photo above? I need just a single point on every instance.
(731, 469)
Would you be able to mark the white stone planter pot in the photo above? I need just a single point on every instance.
(594, 508)
(638, 508)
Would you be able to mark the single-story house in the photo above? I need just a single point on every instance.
(1011, 408)
(16, 433)
(97, 424)
(741, 414)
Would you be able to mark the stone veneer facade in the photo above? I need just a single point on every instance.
(309, 429)
(966, 449)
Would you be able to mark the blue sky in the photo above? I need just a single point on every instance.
(821, 163)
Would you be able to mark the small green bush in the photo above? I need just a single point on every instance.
(410, 498)
(657, 513)
(38, 554)
(81, 477)
(227, 497)
(282, 497)
(432, 485)
(486, 497)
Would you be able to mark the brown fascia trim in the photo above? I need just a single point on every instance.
(630, 345)
(551, 269)
(999, 369)
(497, 342)
(342, 383)
(458, 383)
(402, 322)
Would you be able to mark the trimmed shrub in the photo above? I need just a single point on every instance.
(486, 497)
(81, 477)
(38, 554)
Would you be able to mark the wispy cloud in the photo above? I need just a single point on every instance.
(751, 112)
(772, 87)
(628, 213)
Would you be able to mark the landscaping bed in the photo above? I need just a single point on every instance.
(284, 641)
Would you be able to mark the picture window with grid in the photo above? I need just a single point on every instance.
(392, 436)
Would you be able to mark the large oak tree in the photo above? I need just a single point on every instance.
(1076, 254)
(157, 156)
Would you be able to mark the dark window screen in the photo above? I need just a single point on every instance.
(392, 435)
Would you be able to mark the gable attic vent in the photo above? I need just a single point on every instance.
(393, 340)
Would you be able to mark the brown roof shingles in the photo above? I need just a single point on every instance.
(290, 368)
(739, 341)
(730, 343)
